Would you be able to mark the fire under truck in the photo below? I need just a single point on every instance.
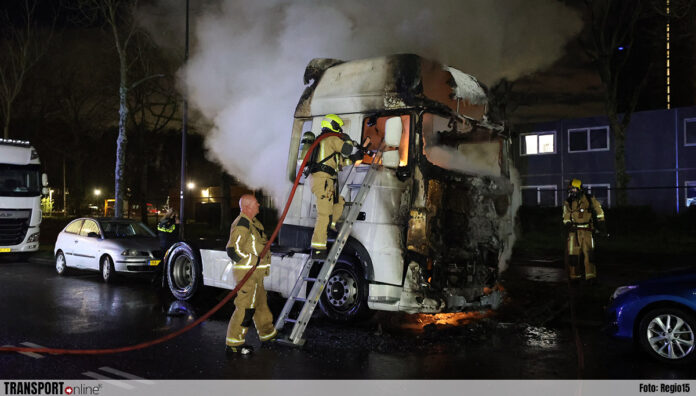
(435, 227)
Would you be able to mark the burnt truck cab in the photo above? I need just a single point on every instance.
(437, 224)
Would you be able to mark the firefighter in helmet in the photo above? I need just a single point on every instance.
(582, 217)
(247, 240)
(324, 167)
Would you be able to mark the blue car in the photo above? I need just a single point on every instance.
(659, 315)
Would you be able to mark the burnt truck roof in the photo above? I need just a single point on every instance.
(387, 83)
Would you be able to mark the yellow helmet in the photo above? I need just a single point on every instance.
(576, 183)
(332, 122)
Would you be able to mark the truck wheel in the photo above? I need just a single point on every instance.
(667, 334)
(345, 297)
(183, 271)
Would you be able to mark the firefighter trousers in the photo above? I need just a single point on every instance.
(581, 242)
(250, 307)
(329, 207)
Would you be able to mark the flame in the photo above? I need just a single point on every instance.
(417, 322)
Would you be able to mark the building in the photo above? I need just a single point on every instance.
(660, 159)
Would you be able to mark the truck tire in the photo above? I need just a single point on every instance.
(345, 297)
(183, 271)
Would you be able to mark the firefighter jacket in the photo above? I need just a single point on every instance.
(330, 152)
(247, 240)
(578, 212)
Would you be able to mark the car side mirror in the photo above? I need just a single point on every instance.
(44, 180)
(92, 235)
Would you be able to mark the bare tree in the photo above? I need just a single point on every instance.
(614, 28)
(154, 104)
(21, 48)
(118, 17)
(613, 24)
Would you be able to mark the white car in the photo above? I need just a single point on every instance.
(107, 245)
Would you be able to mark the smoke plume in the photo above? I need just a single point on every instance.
(248, 57)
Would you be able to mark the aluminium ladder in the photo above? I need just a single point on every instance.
(310, 302)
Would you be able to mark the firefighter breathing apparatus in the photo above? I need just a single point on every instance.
(225, 300)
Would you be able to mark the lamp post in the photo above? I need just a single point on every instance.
(184, 121)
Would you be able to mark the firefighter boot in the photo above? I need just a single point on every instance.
(573, 271)
(241, 350)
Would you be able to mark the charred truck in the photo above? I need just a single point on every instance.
(437, 225)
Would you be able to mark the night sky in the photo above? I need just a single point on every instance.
(67, 105)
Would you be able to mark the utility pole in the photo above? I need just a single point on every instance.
(182, 190)
(65, 192)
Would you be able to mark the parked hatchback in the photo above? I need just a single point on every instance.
(107, 245)
(659, 315)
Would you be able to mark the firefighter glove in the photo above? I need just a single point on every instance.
(356, 156)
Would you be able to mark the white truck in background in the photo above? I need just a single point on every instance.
(438, 223)
(21, 187)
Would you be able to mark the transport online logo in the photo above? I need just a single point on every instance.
(49, 388)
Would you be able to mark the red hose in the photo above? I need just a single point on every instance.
(105, 351)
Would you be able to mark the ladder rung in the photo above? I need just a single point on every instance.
(308, 279)
(290, 320)
(300, 299)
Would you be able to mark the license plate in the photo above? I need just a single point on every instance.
(5, 250)
(154, 262)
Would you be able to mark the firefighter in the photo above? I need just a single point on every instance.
(166, 230)
(582, 216)
(324, 170)
(247, 240)
(168, 233)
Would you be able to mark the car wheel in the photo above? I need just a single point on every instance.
(61, 264)
(345, 296)
(667, 334)
(183, 271)
(106, 268)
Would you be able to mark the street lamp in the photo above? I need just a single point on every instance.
(191, 185)
(97, 192)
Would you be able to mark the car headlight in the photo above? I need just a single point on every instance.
(133, 252)
(33, 237)
(621, 290)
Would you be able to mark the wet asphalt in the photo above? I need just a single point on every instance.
(530, 337)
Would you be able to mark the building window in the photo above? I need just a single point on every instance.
(540, 195)
(690, 132)
(588, 139)
(691, 194)
(538, 143)
(602, 192)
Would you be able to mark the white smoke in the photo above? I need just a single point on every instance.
(248, 58)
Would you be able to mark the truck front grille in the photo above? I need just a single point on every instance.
(13, 230)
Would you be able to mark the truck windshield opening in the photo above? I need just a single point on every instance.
(20, 180)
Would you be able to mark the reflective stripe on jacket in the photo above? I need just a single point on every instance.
(247, 240)
(167, 225)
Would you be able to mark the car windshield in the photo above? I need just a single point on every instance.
(19, 180)
(125, 229)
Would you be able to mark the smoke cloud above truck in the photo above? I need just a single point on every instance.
(244, 75)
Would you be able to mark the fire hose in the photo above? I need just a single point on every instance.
(146, 344)
(573, 319)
